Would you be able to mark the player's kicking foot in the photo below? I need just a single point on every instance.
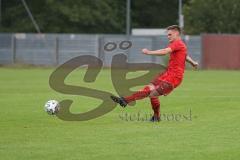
(154, 119)
(119, 100)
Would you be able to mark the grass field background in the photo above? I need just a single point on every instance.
(27, 132)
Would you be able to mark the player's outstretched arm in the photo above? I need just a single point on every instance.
(157, 52)
(192, 62)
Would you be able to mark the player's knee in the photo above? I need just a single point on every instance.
(154, 93)
(164, 88)
(151, 87)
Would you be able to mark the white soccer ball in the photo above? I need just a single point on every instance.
(52, 107)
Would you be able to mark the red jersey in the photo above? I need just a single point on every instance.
(176, 65)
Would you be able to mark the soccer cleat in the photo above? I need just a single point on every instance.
(154, 119)
(119, 100)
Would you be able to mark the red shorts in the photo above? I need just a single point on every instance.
(164, 83)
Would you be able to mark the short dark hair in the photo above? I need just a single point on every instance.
(174, 27)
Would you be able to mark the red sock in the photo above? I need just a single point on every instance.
(138, 95)
(155, 106)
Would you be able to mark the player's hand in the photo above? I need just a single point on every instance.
(195, 65)
(145, 51)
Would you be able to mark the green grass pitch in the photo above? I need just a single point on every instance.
(27, 132)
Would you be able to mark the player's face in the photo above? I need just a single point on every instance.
(172, 35)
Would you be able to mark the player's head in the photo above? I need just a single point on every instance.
(173, 33)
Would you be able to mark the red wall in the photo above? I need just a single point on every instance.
(220, 51)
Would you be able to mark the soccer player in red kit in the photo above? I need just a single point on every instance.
(163, 83)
